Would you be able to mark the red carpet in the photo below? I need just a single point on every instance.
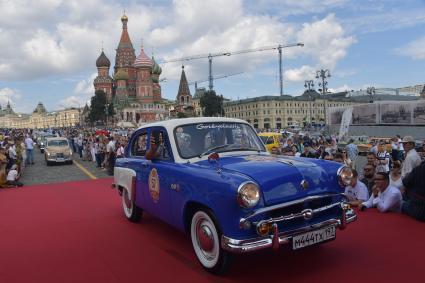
(76, 232)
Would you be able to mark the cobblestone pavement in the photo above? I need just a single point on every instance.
(40, 173)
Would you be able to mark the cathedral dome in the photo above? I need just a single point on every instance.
(121, 75)
(156, 69)
(143, 60)
(103, 61)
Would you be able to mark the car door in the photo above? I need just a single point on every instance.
(156, 177)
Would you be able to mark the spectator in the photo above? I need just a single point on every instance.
(356, 192)
(275, 151)
(385, 197)
(13, 156)
(352, 152)
(371, 159)
(29, 145)
(368, 173)
(374, 148)
(13, 176)
(338, 157)
(3, 163)
(414, 186)
(395, 149)
(158, 149)
(383, 159)
(412, 158)
(395, 176)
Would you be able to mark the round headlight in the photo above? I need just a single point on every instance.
(248, 194)
(345, 175)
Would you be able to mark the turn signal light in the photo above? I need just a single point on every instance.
(263, 228)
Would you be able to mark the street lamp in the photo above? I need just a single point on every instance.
(323, 74)
(371, 91)
(309, 85)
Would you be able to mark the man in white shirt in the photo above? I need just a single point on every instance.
(356, 192)
(13, 176)
(412, 159)
(385, 197)
(29, 145)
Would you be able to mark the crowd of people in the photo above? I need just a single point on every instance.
(389, 181)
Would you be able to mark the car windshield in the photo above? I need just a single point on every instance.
(264, 139)
(57, 143)
(197, 140)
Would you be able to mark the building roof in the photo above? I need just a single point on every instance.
(143, 61)
(183, 86)
(103, 61)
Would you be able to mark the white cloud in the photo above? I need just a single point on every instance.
(414, 49)
(325, 41)
(342, 88)
(300, 74)
(85, 86)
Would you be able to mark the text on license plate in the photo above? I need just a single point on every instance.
(60, 159)
(313, 237)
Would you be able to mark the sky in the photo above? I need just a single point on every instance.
(48, 48)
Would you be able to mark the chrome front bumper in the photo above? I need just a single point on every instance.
(284, 237)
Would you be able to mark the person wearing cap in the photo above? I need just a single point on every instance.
(412, 158)
(13, 176)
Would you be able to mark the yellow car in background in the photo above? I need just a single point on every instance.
(271, 140)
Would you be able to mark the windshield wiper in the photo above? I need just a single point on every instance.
(212, 149)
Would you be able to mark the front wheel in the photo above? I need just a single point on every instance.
(206, 238)
(131, 211)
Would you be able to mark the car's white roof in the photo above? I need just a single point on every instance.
(171, 124)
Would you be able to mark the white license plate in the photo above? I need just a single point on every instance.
(60, 159)
(313, 237)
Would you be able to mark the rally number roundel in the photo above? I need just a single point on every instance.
(154, 185)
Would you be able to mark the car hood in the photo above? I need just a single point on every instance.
(281, 178)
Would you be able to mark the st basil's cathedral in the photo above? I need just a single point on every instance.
(134, 88)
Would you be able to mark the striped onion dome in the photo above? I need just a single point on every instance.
(143, 60)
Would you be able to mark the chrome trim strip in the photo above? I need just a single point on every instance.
(300, 214)
(286, 204)
(259, 243)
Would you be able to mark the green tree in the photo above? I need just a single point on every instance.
(212, 104)
(181, 115)
(97, 106)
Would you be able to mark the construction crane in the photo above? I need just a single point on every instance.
(228, 53)
(215, 78)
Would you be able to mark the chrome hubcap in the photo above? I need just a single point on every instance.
(205, 237)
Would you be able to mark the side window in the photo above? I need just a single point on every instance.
(159, 137)
(270, 140)
(139, 145)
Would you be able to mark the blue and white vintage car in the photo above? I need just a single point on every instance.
(214, 179)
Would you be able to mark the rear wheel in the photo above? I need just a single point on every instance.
(206, 240)
(131, 211)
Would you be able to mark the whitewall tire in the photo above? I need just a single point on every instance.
(206, 241)
(131, 211)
